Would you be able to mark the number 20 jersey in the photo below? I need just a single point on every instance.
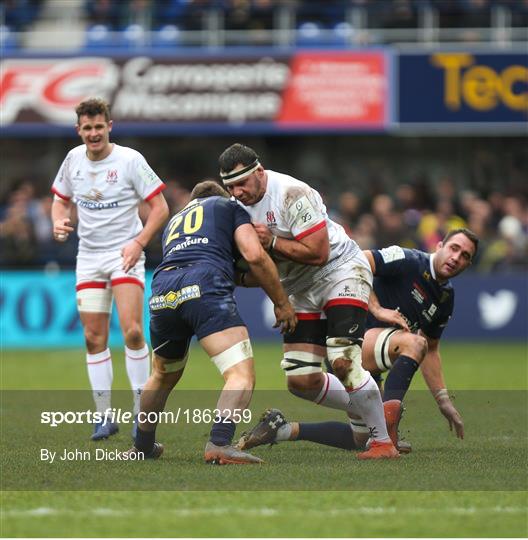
(202, 233)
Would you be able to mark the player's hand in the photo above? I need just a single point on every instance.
(62, 229)
(131, 254)
(452, 415)
(392, 317)
(285, 318)
(264, 234)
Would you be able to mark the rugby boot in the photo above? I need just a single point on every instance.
(133, 454)
(264, 432)
(104, 430)
(393, 410)
(228, 455)
(404, 447)
(380, 450)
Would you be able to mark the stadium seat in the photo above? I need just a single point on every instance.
(310, 34)
(98, 36)
(134, 36)
(8, 38)
(166, 36)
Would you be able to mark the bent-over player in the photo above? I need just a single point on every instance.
(192, 294)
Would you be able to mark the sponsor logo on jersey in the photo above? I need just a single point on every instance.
(93, 205)
(391, 254)
(188, 242)
(147, 174)
(426, 275)
(173, 299)
(417, 296)
(302, 212)
(111, 176)
(93, 195)
(347, 291)
(270, 218)
(430, 312)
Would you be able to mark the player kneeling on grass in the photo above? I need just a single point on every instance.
(418, 299)
(192, 294)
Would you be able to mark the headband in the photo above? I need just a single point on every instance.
(235, 176)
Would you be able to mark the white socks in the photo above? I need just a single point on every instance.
(333, 394)
(100, 374)
(366, 401)
(138, 370)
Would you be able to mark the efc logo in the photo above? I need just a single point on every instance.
(481, 87)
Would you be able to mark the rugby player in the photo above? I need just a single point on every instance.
(329, 282)
(192, 294)
(107, 182)
(418, 299)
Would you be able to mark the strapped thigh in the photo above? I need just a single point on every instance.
(381, 348)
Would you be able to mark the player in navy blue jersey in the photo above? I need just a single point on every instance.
(409, 308)
(192, 294)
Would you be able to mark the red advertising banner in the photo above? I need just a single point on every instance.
(336, 88)
(309, 90)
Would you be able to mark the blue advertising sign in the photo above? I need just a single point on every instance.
(463, 87)
(38, 310)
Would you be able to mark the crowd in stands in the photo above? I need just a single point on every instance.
(414, 215)
(257, 14)
(263, 14)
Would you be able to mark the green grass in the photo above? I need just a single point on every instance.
(446, 487)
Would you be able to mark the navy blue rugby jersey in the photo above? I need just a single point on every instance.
(405, 279)
(202, 233)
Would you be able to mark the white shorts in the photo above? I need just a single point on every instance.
(349, 284)
(96, 274)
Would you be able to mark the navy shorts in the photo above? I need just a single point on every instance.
(197, 300)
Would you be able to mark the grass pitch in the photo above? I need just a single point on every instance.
(446, 487)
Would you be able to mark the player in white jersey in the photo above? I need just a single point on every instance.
(107, 182)
(329, 282)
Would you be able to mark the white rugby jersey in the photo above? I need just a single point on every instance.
(292, 209)
(107, 194)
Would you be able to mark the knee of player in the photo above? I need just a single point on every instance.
(414, 346)
(133, 334)
(95, 339)
(303, 383)
(241, 380)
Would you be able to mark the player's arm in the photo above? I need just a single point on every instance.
(61, 218)
(157, 216)
(265, 273)
(371, 260)
(312, 249)
(433, 375)
(389, 316)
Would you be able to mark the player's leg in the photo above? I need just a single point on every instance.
(129, 303)
(94, 302)
(168, 363)
(346, 311)
(231, 352)
(401, 353)
(397, 351)
(304, 351)
(273, 428)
